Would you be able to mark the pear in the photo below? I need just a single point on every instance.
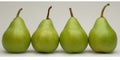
(45, 39)
(102, 38)
(73, 38)
(16, 38)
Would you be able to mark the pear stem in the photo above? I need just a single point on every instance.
(48, 12)
(104, 9)
(19, 12)
(71, 13)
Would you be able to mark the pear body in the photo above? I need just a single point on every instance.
(73, 38)
(45, 38)
(102, 37)
(16, 38)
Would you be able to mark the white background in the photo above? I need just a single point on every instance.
(34, 12)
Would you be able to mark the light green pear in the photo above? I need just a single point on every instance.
(102, 37)
(16, 38)
(73, 38)
(45, 38)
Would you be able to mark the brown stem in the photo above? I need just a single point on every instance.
(19, 12)
(48, 12)
(71, 13)
(104, 9)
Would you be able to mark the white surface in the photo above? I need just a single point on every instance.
(34, 12)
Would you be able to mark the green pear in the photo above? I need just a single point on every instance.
(45, 39)
(102, 37)
(16, 38)
(73, 38)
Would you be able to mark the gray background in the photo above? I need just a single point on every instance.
(34, 12)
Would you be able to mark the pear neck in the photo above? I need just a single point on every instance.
(17, 22)
(73, 23)
(101, 22)
(45, 23)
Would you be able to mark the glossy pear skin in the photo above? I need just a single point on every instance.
(16, 38)
(73, 38)
(102, 37)
(45, 38)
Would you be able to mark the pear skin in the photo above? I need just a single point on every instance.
(16, 38)
(45, 39)
(102, 38)
(73, 38)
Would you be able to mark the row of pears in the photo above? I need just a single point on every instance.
(73, 38)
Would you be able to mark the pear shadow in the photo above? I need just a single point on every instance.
(11, 54)
(106, 52)
(43, 53)
(74, 52)
(63, 52)
(27, 51)
(93, 52)
(6, 52)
